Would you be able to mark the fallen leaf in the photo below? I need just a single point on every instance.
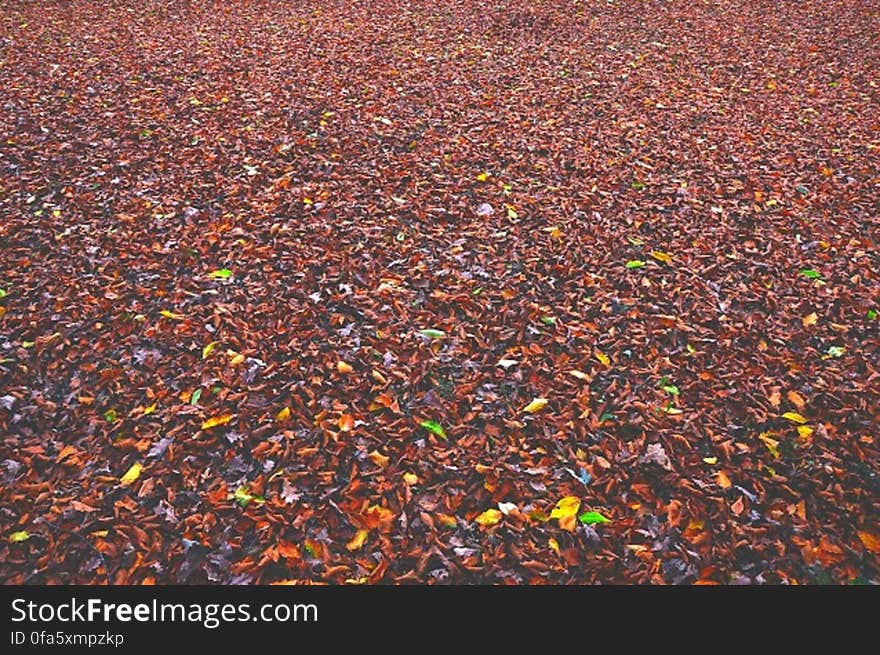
(343, 368)
(593, 518)
(489, 517)
(214, 421)
(132, 474)
(565, 511)
(358, 540)
(20, 536)
(345, 423)
(794, 417)
(535, 406)
(434, 428)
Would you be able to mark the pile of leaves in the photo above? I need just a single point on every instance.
(514, 291)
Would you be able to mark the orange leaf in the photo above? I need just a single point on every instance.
(357, 541)
(343, 367)
(723, 480)
(345, 422)
(870, 541)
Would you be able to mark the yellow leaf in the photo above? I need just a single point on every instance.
(772, 444)
(536, 405)
(378, 459)
(283, 415)
(132, 474)
(206, 351)
(149, 410)
(489, 517)
(511, 212)
(794, 417)
(661, 256)
(710, 460)
(804, 431)
(554, 545)
(169, 314)
(344, 368)
(602, 357)
(357, 541)
(482, 177)
(214, 421)
(567, 506)
(20, 536)
(410, 478)
(236, 360)
(810, 319)
(566, 511)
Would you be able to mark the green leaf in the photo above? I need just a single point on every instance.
(434, 428)
(592, 518)
(638, 185)
(110, 416)
(221, 274)
(635, 263)
(477, 291)
(194, 398)
(18, 537)
(2, 293)
(810, 273)
(434, 334)
(243, 497)
(671, 389)
(548, 320)
(872, 314)
(836, 351)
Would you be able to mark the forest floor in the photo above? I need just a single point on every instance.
(437, 292)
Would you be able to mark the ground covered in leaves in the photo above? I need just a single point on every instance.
(437, 292)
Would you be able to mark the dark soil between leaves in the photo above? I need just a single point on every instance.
(662, 216)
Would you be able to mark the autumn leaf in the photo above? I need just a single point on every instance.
(810, 319)
(345, 423)
(208, 349)
(794, 417)
(169, 314)
(358, 540)
(489, 517)
(20, 536)
(410, 478)
(343, 367)
(214, 421)
(535, 406)
(661, 256)
(132, 474)
(283, 415)
(869, 541)
(221, 274)
(565, 511)
(603, 358)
